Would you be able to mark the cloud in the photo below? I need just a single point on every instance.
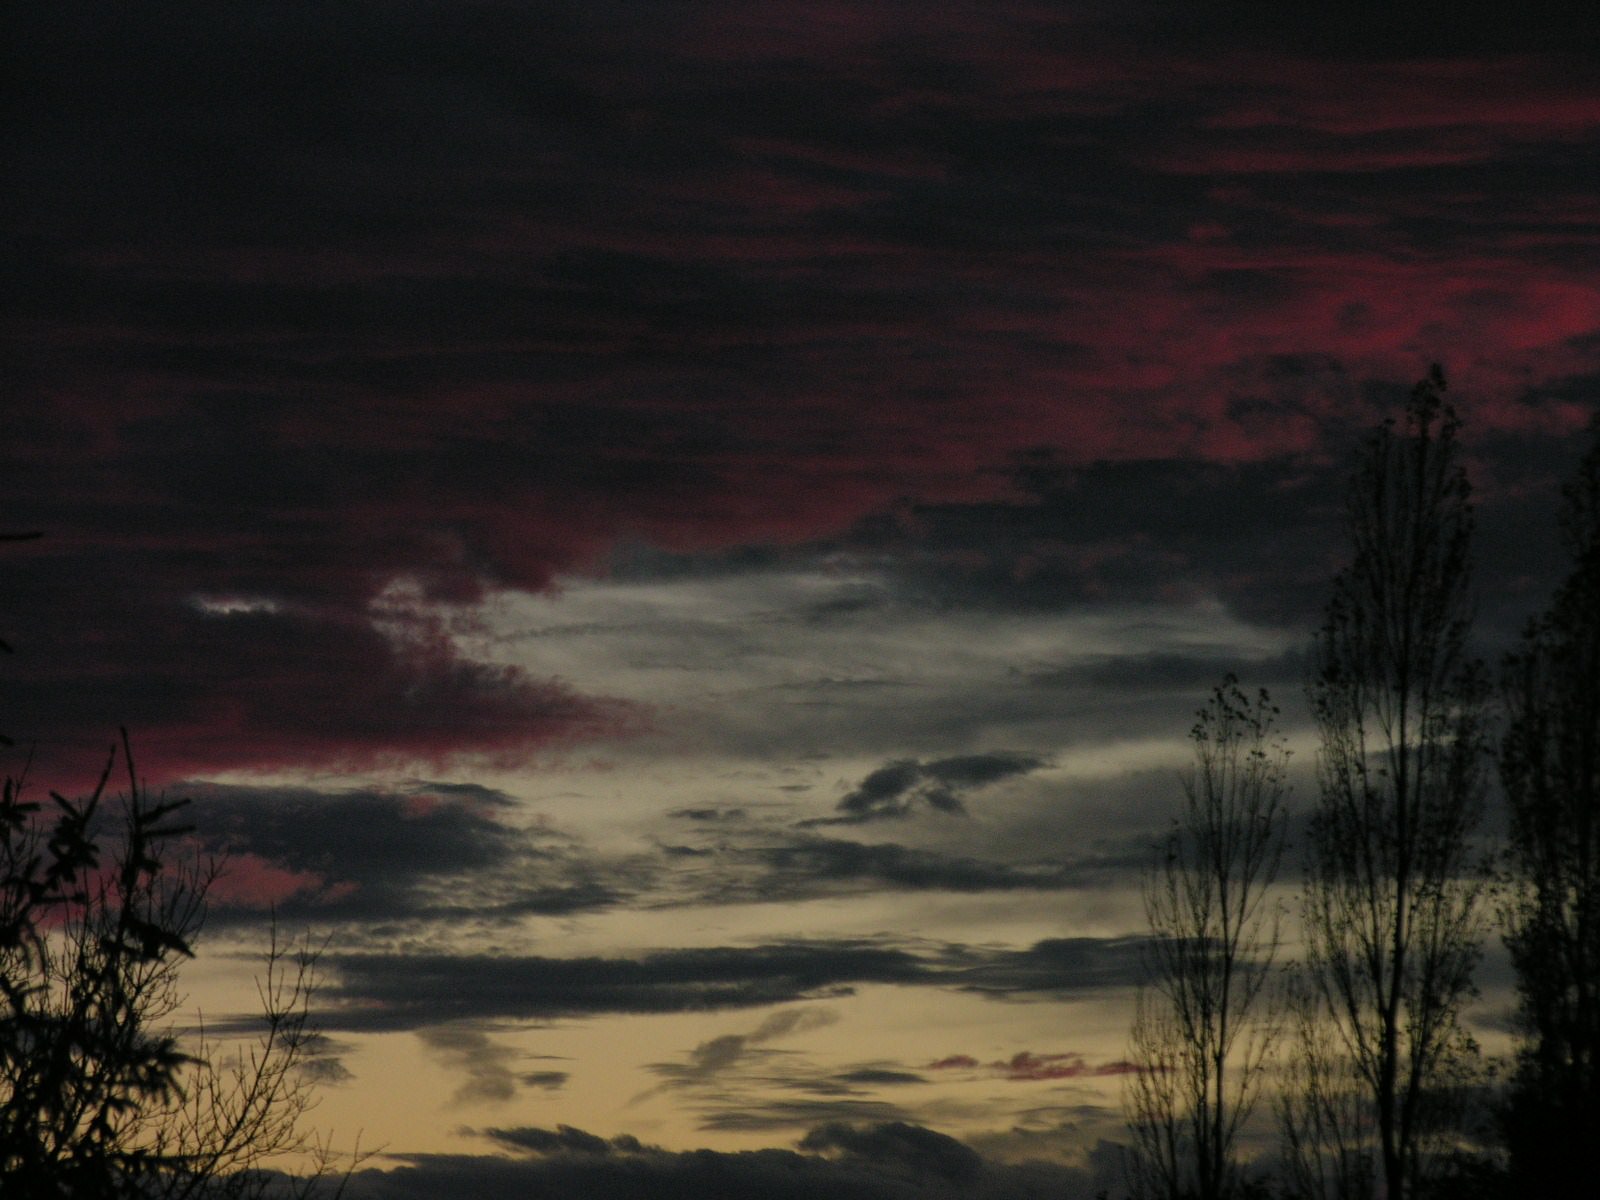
(323, 1061)
(896, 1143)
(548, 1080)
(386, 991)
(307, 683)
(892, 791)
(708, 814)
(714, 1057)
(1027, 1067)
(878, 1077)
(400, 991)
(769, 1114)
(465, 321)
(865, 1160)
(423, 852)
(810, 865)
(1058, 967)
(564, 1139)
(489, 1079)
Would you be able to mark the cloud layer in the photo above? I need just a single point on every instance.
(378, 991)
(886, 1160)
(473, 295)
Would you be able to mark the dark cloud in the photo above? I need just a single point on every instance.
(548, 1080)
(1261, 536)
(878, 1077)
(867, 1160)
(427, 852)
(484, 1063)
(810, 865)
(1058, 967)
(400, 991)
(1363, 31)
(742, 1083)
(469, 294)
(768, 1114)
(899, 1144)
(417, 990)
(1190, 673)
(323, 1061)
(712, 1059)
(894, 791)
(207, 676)
(564, 1139)
(708, 814)
(385, 863)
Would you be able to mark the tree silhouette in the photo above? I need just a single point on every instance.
(99, 1094)
(1550, 767)
(1204, 1025)
(1392, 912)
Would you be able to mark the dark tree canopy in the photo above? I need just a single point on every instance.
(101, 1095)
(1550, 766)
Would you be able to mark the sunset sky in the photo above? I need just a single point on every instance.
(686, 537)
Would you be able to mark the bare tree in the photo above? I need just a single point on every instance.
(100, 1094)
(1205, 1020)
(1392, 913)
(1550, 766)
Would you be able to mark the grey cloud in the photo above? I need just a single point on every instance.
(898, 1143)
(878, 1077)
(1124, 531)
(715, 1057)
(562, 1139)
(432, 851)
(893, 790)
(403, 991)
(708, 814)
(881, 793)
(1058, 966)
(548, 1080)
(813, 865)
(871, 1159)
(734, 1084)
(1192, 672)
(323, 1060)
(484, 1062)
(769, 1115)
(415, 991)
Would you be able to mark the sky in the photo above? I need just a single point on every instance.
(685, 538)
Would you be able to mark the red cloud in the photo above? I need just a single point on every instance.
(250, 881)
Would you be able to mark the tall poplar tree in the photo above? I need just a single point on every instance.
(1392, 909)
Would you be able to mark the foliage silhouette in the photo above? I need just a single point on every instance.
(99, 1094)
(1550, 768)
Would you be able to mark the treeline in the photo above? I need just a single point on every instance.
(1323, 1053)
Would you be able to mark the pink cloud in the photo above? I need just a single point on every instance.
(250, 881)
